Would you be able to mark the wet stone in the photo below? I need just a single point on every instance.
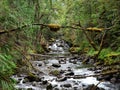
(44, 82)
(91, 61)
(97, 71)
(34, 83)
(55, 72)
(62, 62)
(29, 89)
(25, 80)
(67, 85)
(62, 71)
(88, 87)
(69, 73)
(57, 65)
(56, 88)
(107, 77)
(69, 69)
(32, 78)
(49, 87)
(18, 81)
(40, 64)
(113, 80)
(75, 88)
(100, 77)
(74, 61)
(20, 88)
(91, 69)
(98, 67)
(62, 79)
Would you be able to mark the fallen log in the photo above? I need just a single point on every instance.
(95, 75)
(49, 56)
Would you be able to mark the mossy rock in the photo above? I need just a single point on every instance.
(55, 72)
(75, 50)
(32, 77)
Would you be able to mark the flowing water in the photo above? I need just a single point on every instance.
(59, 71)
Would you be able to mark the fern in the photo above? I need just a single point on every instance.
(6, 70)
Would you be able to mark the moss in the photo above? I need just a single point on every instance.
(55, 72)
(54, 27)
(75, 50)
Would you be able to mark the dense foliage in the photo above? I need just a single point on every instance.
(34, 39)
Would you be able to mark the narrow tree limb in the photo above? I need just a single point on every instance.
(21, 27)
(88, 37)
(7, 31)
(101, 44)
(90, 40)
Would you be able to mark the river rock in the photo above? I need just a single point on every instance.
(69, 69)
(100, 78)
(40, 64)
(91, 61)
(32, 78)
(55, 72)
(76, 88)
(44, 82)
(62, 79)
(92, 87)
(113, 80)
(67, 85)
(34, 83)
(107, 77)
(97, 71)
(29, 89)
(25, 80)
(92, 69)
(18, 81)
(62, 71)
(56, 88)
(74, 61)
(62, 61)
(18, 89)
(49, 87)
(57, 65)
(69, 73)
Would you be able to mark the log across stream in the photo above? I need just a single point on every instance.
(62, 71)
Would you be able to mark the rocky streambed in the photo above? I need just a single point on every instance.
(63, 71)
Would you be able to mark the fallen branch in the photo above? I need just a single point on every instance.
(55, 27)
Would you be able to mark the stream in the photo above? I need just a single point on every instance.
(61, 71)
